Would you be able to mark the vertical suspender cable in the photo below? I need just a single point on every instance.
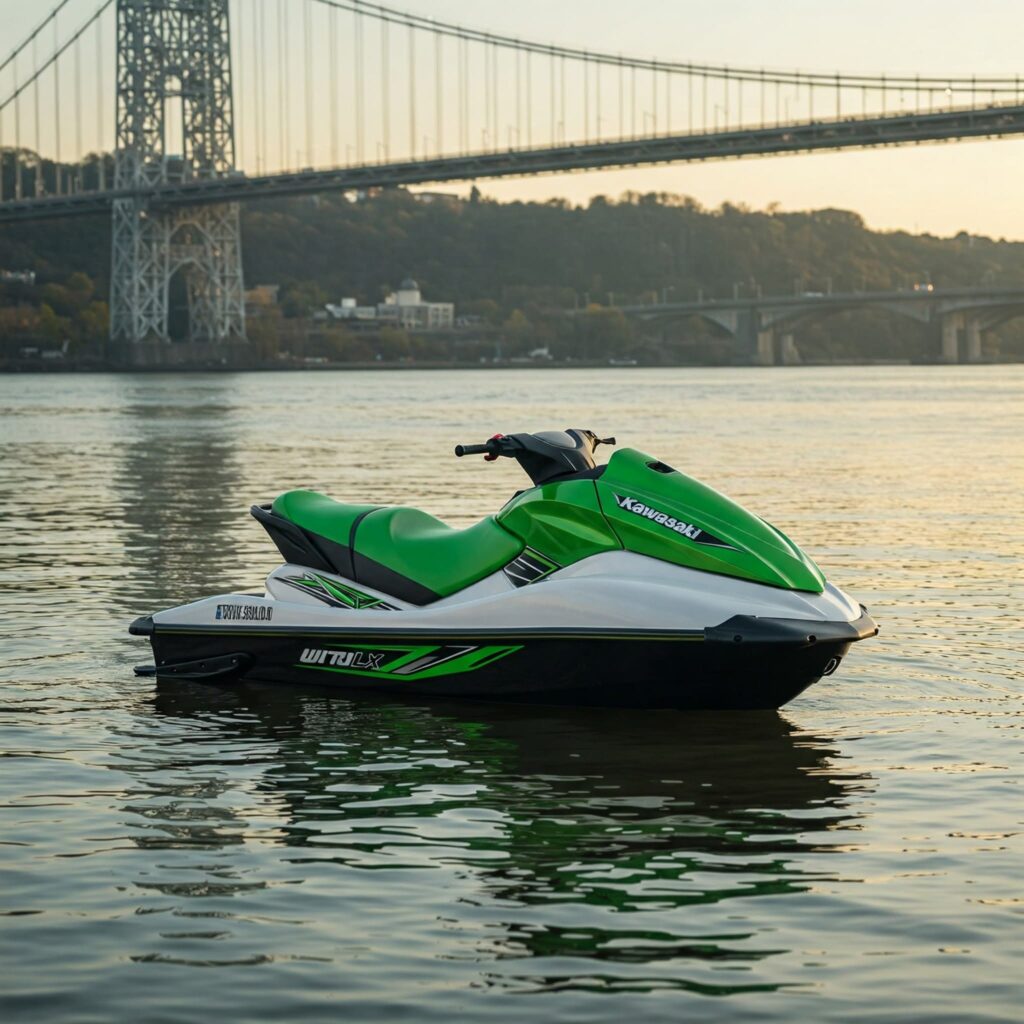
(286, 128)
(35, 111)
(264, 99)
(56, 112)
(254, 93)
(412, 92)
(251, 105)
(668, 103)
(17, 132)
(460, 54)
(78, 115)
(332, 33)
(307, 46)
(99, 106)
(282, 85)
(487, 95)
(385, 88)
(632, 86)
(261, 112)
(561, 124)
(529, 100)
(519, 100)
(237, 51)
(438, 97)
(654, 102)
(360, 89)
(241, 96)
(586, 99)
(622, 133)
(551, 89)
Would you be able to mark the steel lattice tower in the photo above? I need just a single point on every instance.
(171, 54)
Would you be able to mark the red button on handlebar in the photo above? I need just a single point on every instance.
(492, 457)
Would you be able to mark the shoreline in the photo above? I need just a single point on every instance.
(398, 367)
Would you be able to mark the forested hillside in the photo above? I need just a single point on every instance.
(516, 264)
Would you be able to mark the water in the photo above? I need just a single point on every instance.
(179, 852)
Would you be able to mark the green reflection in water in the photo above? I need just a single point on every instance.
(602, 818)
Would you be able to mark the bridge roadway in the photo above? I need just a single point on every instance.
(761, 326)
(846, 133)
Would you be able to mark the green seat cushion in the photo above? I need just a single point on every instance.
(401, 551)
(320, 515)
(422, 548)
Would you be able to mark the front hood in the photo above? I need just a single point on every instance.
(657, 511)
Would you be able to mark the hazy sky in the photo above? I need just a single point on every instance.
(974, 186)
(941, 188)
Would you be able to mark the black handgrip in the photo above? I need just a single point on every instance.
(471, 449)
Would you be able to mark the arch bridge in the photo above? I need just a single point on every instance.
(761, 327)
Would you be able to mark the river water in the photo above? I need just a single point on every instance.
(176, 852)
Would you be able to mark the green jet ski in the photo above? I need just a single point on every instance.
(627, 584)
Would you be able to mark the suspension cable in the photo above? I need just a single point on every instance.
(68, 43)
(39, 28)
(1000, 83)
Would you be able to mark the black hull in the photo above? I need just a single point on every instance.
(744, 664)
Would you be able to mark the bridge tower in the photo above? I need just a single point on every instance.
(174, 79)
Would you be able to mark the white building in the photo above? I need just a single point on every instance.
(403, 308)
(348, 310)
(407, 308)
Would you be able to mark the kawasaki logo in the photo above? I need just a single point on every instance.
(695, 533)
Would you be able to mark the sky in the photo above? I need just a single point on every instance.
(938, 188)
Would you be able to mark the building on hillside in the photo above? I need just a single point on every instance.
(402, 308)
(347, 309)
(18, 277)
(407, 308)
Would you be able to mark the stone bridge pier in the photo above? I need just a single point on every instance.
(961, 335)
(758, 341)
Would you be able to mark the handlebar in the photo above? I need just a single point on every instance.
(547, 455)
(471, 449)
(490, 449)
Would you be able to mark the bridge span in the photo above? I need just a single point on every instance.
(762, 326)
(213, 102)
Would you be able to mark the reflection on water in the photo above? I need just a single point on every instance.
(178, 852)
(587, 833)
(178, 483)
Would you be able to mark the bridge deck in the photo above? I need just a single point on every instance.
(848, 133)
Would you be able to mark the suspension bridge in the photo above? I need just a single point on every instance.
(166, 114)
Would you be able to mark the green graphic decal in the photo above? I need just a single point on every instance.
(334, 593)
(402, 661)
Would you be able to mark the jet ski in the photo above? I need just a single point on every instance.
(627, 584)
